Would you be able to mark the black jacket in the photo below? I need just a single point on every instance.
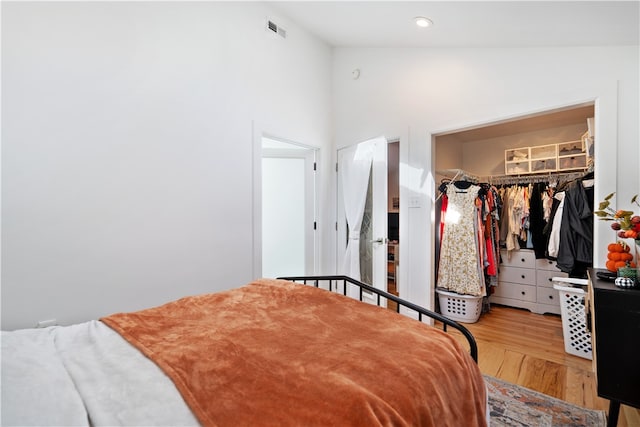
(575, 251)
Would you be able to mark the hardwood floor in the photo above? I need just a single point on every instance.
(528, 349)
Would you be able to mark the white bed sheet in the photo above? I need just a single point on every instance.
(36, 388)
(84, 374)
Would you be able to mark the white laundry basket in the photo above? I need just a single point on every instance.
(458, 307)
(577, 338)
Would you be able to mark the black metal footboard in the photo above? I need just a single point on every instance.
(333, 285)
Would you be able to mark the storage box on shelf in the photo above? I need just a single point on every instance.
(544, 158)
(517, 161)
(562, 156)
(571, 155)
(525, 282)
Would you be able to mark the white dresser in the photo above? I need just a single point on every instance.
(525, 282)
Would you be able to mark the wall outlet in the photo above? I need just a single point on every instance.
(415, 202)
(46, 323)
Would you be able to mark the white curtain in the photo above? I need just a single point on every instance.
(354, 177)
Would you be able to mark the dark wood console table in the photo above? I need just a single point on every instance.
(615, 335)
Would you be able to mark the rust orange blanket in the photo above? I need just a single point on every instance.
(275, 353)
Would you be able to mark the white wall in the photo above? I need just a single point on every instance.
(432, 91)
(127, 148)
(128, 131)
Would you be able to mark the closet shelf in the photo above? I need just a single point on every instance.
(563, 156)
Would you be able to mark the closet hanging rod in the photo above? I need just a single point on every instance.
(532, 178)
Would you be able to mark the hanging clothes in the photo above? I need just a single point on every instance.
(547, 204)
(516, 214)
(575, 251)
(487, 237)
(461, 257)
(556, 225)
(491, 219)
(536, 219)
(440, 210)
(504, 215)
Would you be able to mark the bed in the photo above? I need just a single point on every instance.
(270, 353)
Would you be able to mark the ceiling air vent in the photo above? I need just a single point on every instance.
(272, 26)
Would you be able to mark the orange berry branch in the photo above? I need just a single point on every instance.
(624, 222)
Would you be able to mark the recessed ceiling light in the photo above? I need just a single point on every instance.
(423, 22)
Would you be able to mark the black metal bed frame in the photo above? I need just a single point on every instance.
(334, 281)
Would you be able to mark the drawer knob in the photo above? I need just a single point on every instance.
(550, 296)
(522, 276)
(550, 279)
(524, 293)
(522, 260)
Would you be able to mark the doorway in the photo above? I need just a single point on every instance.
(393, 217)
(490, 154)
(362, 204)
(288, 208)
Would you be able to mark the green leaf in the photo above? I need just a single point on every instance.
(609, 196)
(633, 200)
(603, 205)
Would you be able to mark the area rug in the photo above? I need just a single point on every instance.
(513, 405)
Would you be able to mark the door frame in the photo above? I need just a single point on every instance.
(257, 150)
(604, 96)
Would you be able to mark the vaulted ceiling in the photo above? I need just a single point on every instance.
(474, 24)
(468, 23)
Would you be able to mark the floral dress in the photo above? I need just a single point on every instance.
(460, 268)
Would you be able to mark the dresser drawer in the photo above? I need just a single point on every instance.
(516, 291)
(525, 276)
(546, 264)
(548, 296)
(546, 308)
(521, 258)
(543, 277)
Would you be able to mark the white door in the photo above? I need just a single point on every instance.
(288, 211)
(362, 212)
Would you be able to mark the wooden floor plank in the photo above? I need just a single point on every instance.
(630, 415)
(511, 366)
(539, 374)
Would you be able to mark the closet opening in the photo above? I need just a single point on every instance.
(535, 157)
